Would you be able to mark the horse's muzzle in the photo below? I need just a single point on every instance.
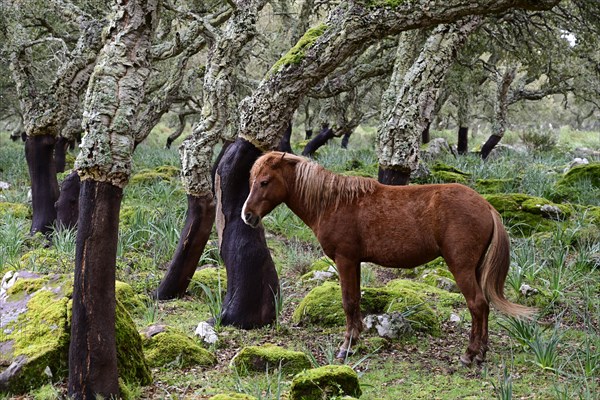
(251, 219)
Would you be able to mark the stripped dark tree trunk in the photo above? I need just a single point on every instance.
(39, 151)
(198, 221)
(463, 140)
(251, 276)
(346, 140)
(93, 351)
(285, 142)
(104, 165)
(60, 153)
(67, 205)
(425, 136)
(324, 136)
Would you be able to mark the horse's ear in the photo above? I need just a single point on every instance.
(277, 161)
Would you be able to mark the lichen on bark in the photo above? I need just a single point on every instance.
(403, 122)
(114, 94)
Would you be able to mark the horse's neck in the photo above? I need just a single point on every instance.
(299, 206)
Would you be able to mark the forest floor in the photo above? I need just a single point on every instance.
(560, 360)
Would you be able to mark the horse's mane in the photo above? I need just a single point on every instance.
(319, 187)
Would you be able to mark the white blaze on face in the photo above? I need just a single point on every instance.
(244, 206)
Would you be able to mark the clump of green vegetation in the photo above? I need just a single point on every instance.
(175, 349)
(46, 260)
(17, 210)
(580, 182)
(269, 357)
(297, 53)
(330, 381)
(528, 214)
(215, 279)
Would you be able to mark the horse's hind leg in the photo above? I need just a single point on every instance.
(349, 272)
(466, 279)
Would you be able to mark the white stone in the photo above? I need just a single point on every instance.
(207, 333)
(527, 290)
(4, 185)
(454, 318)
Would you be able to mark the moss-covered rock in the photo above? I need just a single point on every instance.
(324, 383)
(47, 260)
(128, 297)
(524, 214)
(171, 347)
(449, 174)
(212, 278)
(268, 356)
(35, 331)
(426, 305)
(323, 305)
(496, 185)
(17, 210)
(161, 173)
(568, 186)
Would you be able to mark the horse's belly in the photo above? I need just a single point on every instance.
(400, 251)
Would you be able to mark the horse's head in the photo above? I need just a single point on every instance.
(268, 187)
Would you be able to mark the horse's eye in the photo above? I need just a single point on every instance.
(264, 183)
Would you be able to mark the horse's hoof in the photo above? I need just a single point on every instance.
(343, 354)
(479, 359)
(466, 360)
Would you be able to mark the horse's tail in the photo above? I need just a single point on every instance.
(493, 271)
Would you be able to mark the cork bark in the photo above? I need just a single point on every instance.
(401, 127)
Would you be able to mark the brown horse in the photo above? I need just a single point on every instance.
(358, 219)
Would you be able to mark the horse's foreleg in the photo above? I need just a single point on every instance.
(349, 272)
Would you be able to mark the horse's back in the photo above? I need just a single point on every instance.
(405, 226)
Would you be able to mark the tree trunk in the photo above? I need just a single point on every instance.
(346, 139)
(252, 281)
(308, 134)
(463, 140)
(60, 153)
(500, 121)
(92, 351)
(39, 152)
(425, 138)
(489, 145)
(196, 231)
(321, 139)
(285, 143)
(67, 205)
(112, 103)
(395, 177)
(404, 121)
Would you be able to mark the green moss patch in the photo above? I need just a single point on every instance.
(128, 297)
(36, 336)
(582, 177)
(495, 185)
(233, 396)
(526, 214)
(176, 349)
(47, 260)
(297, 53)
(448, 174)
(161, 173)
(269, 357)
(331, 381)
(426, 305)
(212, 278)
(17, 210)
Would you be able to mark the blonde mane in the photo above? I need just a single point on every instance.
(317, 187)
